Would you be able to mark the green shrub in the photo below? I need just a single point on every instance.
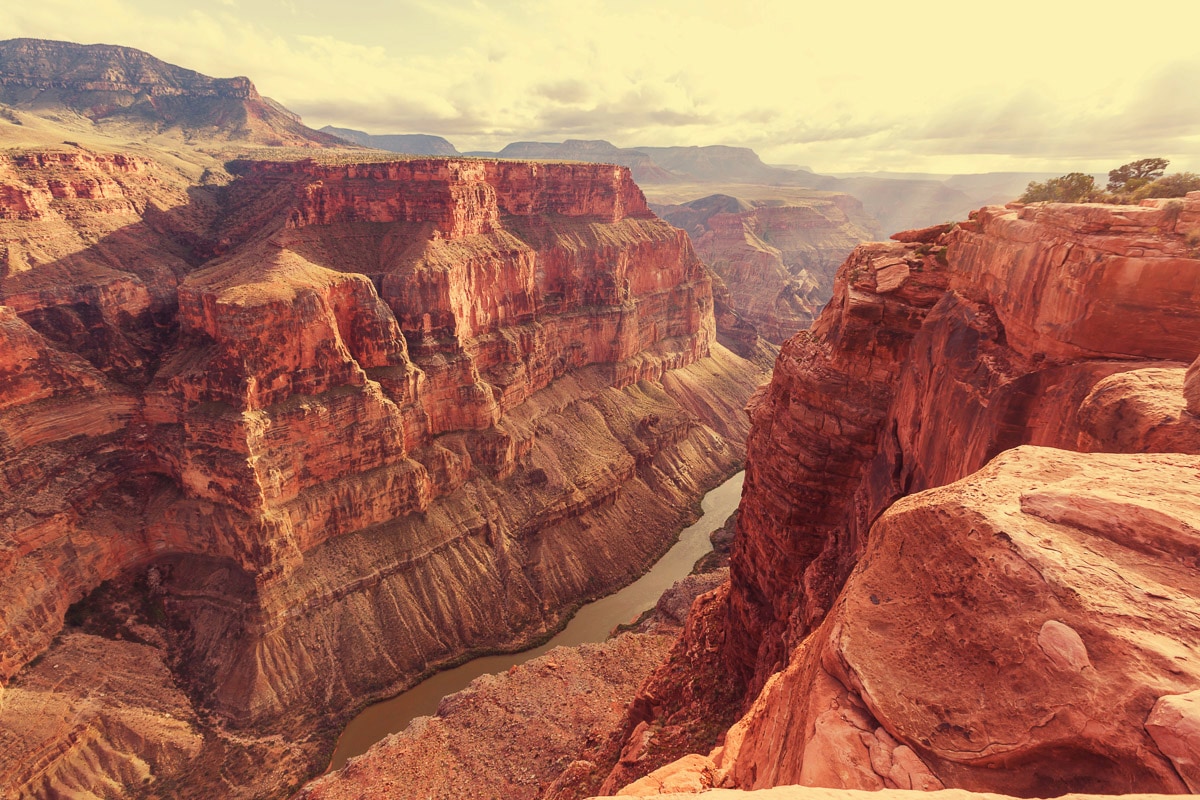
(1176, 185)
(1074, 187)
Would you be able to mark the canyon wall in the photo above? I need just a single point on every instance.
(969, 636)
(319, 431)
(941, 359)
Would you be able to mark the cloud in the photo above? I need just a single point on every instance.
(931, 86)
(568, 92)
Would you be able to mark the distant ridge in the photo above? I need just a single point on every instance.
(417, 144)
(705, 164)
(898, 204)
(108, 84)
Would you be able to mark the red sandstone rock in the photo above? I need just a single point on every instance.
(507, 735)
(1047, 615)
(813, 793)
(1174, 724)
(1139, 411)
(928, 235)
(689, 775)
(510, 735)
(909, 382)
(987, 365)
(361, 418)
(1191, 388)
(1093, 268)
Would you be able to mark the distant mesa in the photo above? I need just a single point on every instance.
(653, 165)
(417, 144)
(110, 85)
(725, 163)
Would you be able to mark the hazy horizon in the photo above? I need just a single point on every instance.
(930, 87)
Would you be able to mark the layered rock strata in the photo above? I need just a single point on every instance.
(342, 422)
(930, 361)
(533, 732)
(1060, 326)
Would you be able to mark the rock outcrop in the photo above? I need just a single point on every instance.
(1067, 327)
(337, 424)
(813, 793)
(1053, 602)
(419, 144)
(995, 341)
(778, 260)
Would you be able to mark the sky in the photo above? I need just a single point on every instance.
(840, 86)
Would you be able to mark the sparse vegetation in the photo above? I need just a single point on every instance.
(1074, 187)
(1127, 184)
(1176, 185)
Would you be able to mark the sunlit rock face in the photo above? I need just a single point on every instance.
(1065, 327)
(342, 421)
(935, 356)
(1011, 632)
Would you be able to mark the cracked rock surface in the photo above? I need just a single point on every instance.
(1011, 632)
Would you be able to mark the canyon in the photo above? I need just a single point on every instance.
(965, 557)
(287, 425)
(776, 259)
(965, 552)
(279, 446)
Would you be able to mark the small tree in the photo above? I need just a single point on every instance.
(1074, 187)
(1136, 174)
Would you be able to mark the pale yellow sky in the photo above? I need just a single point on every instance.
(916, 86)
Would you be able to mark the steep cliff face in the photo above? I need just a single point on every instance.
(1041, 303)
(338, 424)
(1028, 649)
(1060, 326)
(777, 260)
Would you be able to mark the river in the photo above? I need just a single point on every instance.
(592, 623)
